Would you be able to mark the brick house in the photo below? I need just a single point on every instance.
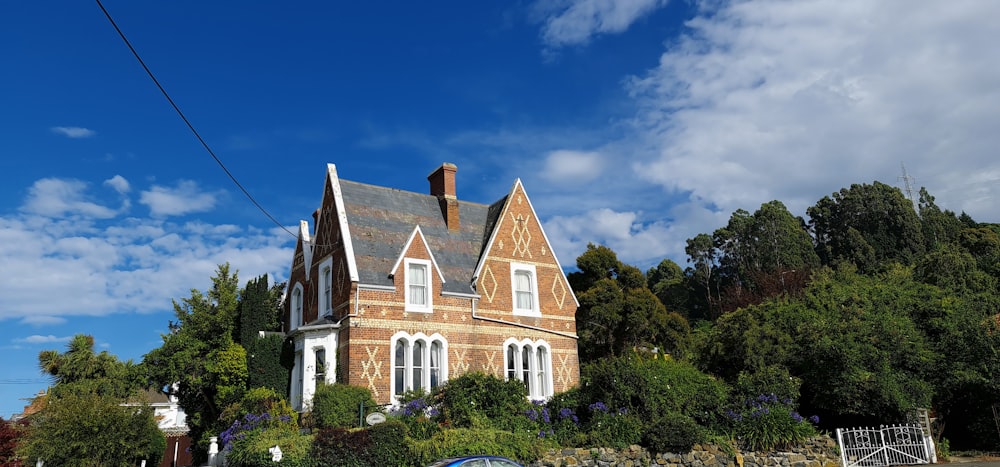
(396, 290)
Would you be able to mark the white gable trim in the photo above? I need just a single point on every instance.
(345, 232)
(307, 248)
(496, 230)
(402, 254)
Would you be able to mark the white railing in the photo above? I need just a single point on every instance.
(888, 445)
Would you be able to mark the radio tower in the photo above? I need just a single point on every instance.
(907, 185)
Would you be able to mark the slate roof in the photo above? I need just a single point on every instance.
(382, 219)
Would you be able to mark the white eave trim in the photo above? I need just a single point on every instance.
(402, 254)
(345, 232)
(307, 249)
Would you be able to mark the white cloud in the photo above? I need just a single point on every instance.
(73, 131)
(633, 241)
(37, 339)
(118, 183)
(103, 266)
(764, 99)
(567, 166)
(185, 198)
(42, 320)
(576, 22)
(774, 100)
(54, 197)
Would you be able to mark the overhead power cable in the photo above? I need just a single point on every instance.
(188, 122)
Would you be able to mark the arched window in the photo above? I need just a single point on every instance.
(418, 362)
(541, 370)
(296, 318)
(399, 367)
(435, 364)
(512, 361)
(526, 366)
(531, 363)
(418, 365)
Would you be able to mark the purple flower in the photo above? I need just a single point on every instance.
(545, 415)
(796, 417)
(622, 411)
(565, 412)
(814, 419)
(598, 407)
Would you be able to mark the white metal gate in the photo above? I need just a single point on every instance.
(888, 445)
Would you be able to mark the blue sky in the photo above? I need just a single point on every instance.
(632, 123)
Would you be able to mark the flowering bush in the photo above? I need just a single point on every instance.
(250, 423)
(418, 417)
(613, 428)
(248, 439)
(765, 423)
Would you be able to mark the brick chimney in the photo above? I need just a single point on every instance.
(443, 186)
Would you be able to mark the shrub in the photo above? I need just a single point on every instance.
(383, 445)
(260, 401)
(557, 420)
(336, 405)
(766, 423)
(478, 400)
(673, 432)
(617, 430)
(253, 449)
(92, 429)
(648, 388)
(251, 424)
(771, 379)
(414, 412)
(466, 441)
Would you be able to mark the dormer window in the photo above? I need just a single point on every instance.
(418, 285)
(524, 285)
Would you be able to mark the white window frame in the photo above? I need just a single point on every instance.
(538, 376)
(428, 287)
(325, 291)
(409, 344)
(530, 269)
(296, 307)
(321, 377)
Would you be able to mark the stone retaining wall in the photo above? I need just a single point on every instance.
(818, 452)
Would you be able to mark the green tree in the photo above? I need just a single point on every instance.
(619, 313)
(81, 370)
(92, 414)
(200, 356)
(867, 225)
(769, 240)
(260, 312)
(704, 257)
(763, 254)
(669, 283)
(93, 429)
(938, 227)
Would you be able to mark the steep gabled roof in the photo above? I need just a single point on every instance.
(381, 220)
